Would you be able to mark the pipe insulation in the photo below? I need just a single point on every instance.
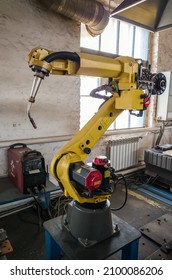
(90, 12)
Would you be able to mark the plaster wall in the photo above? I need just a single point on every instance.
(165, 50)
(26, 24)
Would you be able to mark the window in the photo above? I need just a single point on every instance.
(88, 104)
(118, 38)
(109, 35)
(126, 33)
(87, 41)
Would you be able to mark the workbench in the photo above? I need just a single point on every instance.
(11, 199)
(58, 240)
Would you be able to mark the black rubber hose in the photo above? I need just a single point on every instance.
(126, 193)
(63, 55)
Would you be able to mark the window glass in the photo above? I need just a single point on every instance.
(89, 106)
(141, 43)
(125, 39)
(109, 37)
(88, 84)
(118, 38)
(87, 41)
(136, 121)
(122, 120)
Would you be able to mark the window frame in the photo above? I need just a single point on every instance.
(116, 53)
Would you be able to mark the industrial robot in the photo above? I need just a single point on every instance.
(130, 87)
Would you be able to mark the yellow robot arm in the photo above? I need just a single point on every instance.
(81, 182)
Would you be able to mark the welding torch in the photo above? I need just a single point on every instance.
(38, 77)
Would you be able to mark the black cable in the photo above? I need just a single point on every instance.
(48, 208)
(63, 55)
(161, 132)
(35, 198)
(126, 193)
(39, 206)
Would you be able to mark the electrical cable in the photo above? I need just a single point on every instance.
(35, 198)
(135, 180)
(161, 132)
(126, 192)
(58, 204)
(38, 204)
(47, 203)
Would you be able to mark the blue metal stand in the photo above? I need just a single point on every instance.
(130, 251)
(53, 250)
(58, 239)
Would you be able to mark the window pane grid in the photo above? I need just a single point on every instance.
(109, 35)
(118, 38)
(126, 39)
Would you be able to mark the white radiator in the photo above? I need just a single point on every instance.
(123, 153)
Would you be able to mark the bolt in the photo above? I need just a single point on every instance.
(167, 247)
(87, 151)
(65, 222)
(116, 228)
(86, 242)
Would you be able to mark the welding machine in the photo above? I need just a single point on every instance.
(26, 168)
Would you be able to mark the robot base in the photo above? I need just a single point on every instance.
(90, 224)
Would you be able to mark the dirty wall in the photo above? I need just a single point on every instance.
(25, 25)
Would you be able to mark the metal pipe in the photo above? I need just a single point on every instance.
(35, 141)
(90, 12)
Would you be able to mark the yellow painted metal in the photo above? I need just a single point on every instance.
(87, 137)
(37, 54)
(69, 186)
(63, 67)
(106, 174)
(98, 66)
(130, 100)
(123, 71)
(56, 67)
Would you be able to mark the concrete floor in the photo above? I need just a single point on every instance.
(139, 211)
(27, 237)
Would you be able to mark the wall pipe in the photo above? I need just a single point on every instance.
(64, 138)
(90, 12)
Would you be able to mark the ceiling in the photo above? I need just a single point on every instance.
(154, 15)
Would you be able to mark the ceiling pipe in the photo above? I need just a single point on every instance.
(90, 12)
